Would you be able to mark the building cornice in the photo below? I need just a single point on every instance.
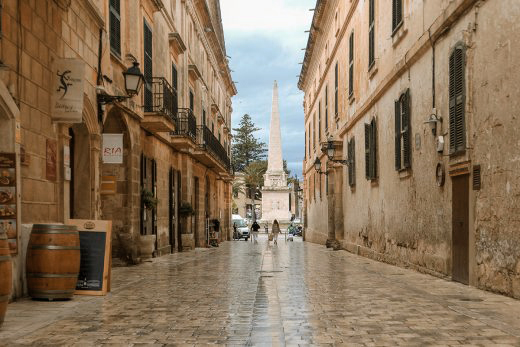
(94, 13)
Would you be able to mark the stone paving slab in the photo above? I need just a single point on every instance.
(290, 294)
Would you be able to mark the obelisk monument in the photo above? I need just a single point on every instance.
(275, 193)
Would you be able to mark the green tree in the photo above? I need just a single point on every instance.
(246, 148)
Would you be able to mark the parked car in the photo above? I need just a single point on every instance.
(242, 227)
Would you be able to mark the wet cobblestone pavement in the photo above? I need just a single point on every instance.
(287, 294)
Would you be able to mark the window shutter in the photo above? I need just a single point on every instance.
(351, 65)
(397, 135)
(367, 151)
(371, 37)
(457, 100)
(175, 94)
(336, 81)
(407, 149)
(115, 27)
(373, 150)
(148, 72)
(353, 163)
(326, 108)
(397, 13)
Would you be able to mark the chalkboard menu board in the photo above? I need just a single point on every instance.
(95, 243)
(92, 266)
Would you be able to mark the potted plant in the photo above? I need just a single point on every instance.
(187, 239)
(149, 200)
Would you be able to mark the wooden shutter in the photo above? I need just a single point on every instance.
(352, 162)
(397, 135)
(371, 33)
(336, 81)
(397, 13)
(115, 27)
(192, 101)
(148, 71)
(457, 101)
(175, 93)
(367, 151)
(406, 130)
(373, 149)
(326, 108)
(351, 65)
(319, 121)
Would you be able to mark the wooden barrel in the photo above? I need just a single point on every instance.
(6, 275)
(53, 259)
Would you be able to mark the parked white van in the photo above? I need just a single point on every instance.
(242, 227)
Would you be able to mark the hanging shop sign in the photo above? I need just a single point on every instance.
(8, 199)
(68, 87)
(113, 148)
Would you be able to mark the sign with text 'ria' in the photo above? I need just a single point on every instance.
(113, 148)
(68, 87)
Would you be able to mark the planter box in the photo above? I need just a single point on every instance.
(147, 246)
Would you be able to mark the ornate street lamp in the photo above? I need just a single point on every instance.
(317, 167)
(331, 151)
(133, 82)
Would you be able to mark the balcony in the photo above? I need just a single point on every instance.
(186, 129)
(212, 151)
(160, 108)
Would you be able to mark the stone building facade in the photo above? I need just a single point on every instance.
(176, 131)
(417, 98)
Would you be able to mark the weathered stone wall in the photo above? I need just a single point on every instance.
(405, 217)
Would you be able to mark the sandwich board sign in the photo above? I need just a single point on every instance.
(95, 239)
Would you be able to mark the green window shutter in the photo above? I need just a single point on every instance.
(397, 13)
(397, 135)
(353, 162)
(336, 81)
(373, 150)
(457, 100)
(115, 27)
(367, 151)
(406, 127)
(351, 65)
(371, 33)
(148, 71)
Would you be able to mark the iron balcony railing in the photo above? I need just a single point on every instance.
(209, 142)
(163, 100)
(186, 124)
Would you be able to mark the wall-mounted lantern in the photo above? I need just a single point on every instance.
(331, 152)
(134, 80)
(433, 119)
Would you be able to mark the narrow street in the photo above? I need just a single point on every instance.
(292, 293)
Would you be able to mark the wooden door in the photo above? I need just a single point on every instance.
(460, 229)
(179, 231)
(172, 210)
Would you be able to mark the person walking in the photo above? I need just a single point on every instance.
(255, 227)
(235, 231)
(276, 231)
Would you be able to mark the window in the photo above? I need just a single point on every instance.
(397, 14)
(457, 100)
(336, 77)
(351, 157)
(148, 71)
(351, 65)
(371, 33)
(192, 101)
(402, 132)
(174, 85)
(203, 117)
(314, 131)
(371, 150)
(326, 108)
(319, 121)
(115, 27)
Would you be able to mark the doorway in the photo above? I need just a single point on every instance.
(172, 224)
(80, 192)
(460, 229)
(179, 231)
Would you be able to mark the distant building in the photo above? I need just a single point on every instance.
(243, 202)
(418, 98)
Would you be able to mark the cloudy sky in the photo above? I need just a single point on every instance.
(264, 40)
